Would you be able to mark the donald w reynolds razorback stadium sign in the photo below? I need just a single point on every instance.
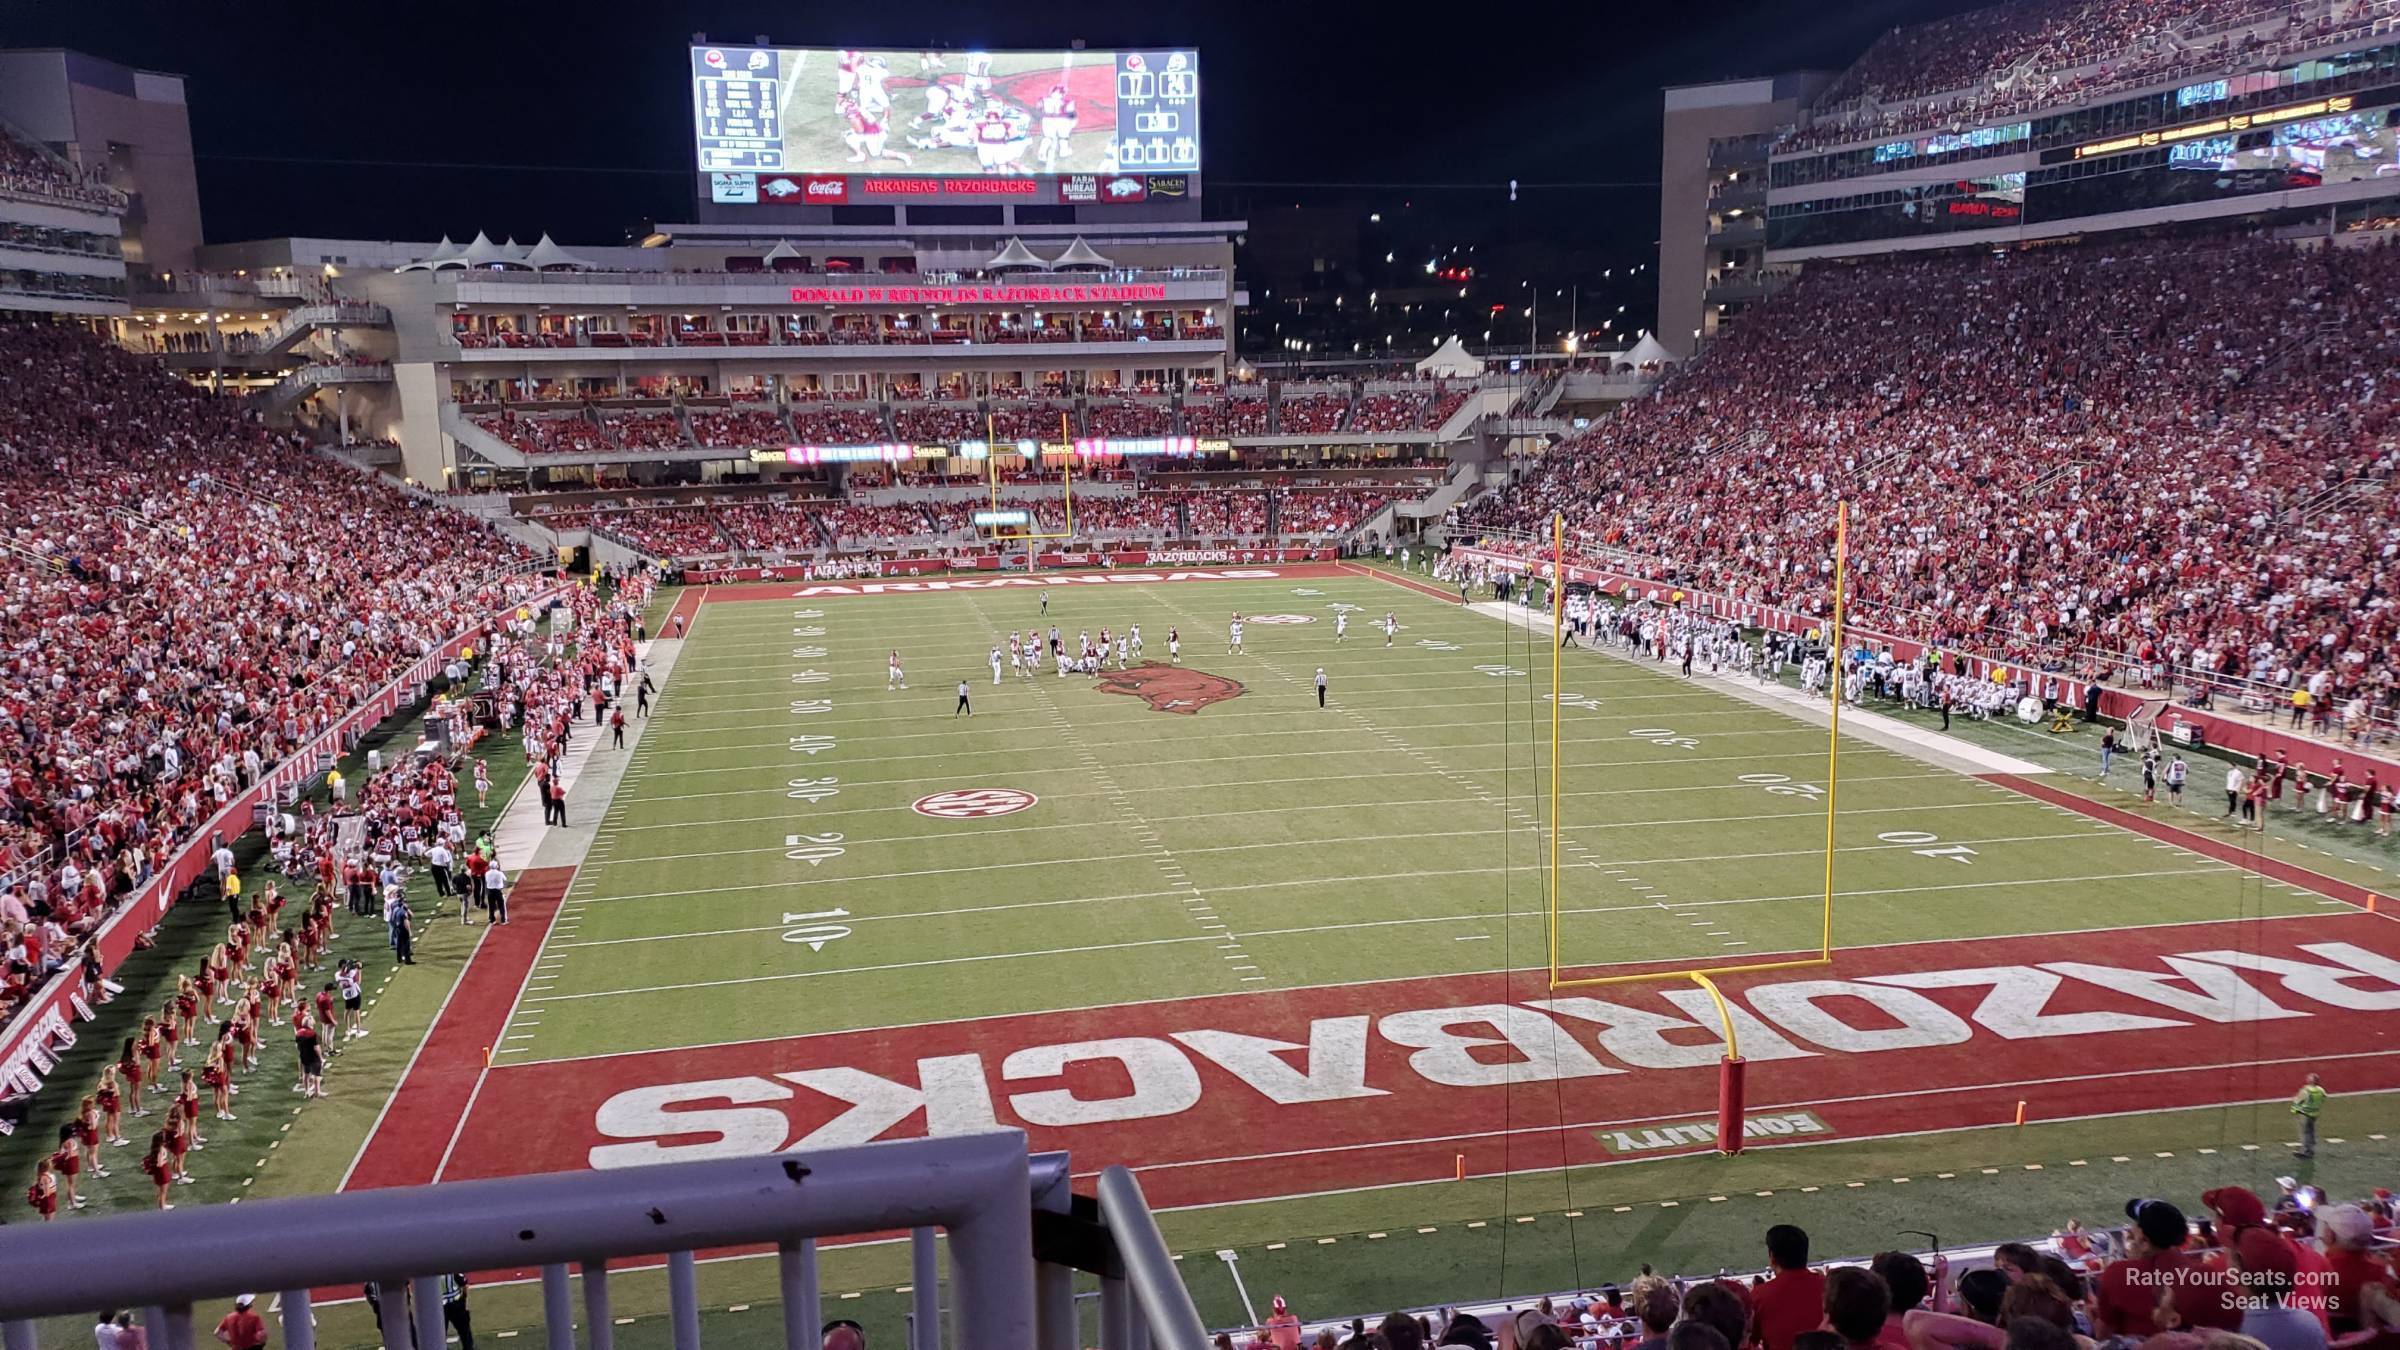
(1044, 293)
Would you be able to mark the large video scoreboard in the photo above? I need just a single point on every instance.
(816, 126)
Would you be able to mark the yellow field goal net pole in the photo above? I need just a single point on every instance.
(1066, 487)
(1824, 953)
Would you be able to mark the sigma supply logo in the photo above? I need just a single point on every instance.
(733, 189)
(1170, 185)
(1658, 1138)
(1171, 689)
(1124, 187)
(1079, 187)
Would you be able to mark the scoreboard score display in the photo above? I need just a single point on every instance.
(817, 126)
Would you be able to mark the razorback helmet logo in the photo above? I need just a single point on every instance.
(1170, 689)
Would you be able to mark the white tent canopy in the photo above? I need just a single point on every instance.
(547, 255)
(783, 249)
(1450, 359)
(1647, 352)
(484, 253)
(442, 252)
(1014, 257)
(1081, 257)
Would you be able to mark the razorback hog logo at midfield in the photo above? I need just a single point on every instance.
(1171, 689)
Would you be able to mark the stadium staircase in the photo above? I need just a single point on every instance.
(309, 318)
(285, 393)
(1436, 504)
(486, 446)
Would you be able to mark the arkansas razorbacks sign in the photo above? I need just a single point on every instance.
(1171, 689)
(1295, 1091)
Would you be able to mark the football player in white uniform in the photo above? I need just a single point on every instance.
(1058, 116)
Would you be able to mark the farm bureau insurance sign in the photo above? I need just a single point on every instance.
(1044, 294)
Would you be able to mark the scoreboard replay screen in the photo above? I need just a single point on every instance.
(792, 125)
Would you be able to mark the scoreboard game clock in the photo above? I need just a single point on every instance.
(799, 126)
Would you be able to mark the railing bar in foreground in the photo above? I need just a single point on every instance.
(683, 1300)
(600, 1324)
(299, 1316)
(796, 1268)
(558, 1308)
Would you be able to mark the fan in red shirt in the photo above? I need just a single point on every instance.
(1792, 1300)
(2132, 1292)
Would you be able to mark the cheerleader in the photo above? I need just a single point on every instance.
(87, 1135)
(43, 1193)
(188, 1001)
(245, 1030)
(483, 784)
(129, 1064)
(187, 1108)
(154, 1050)
(66, 1163)
(2384, 805)
(179, 1143)
(111, 1099)
(158, 1164)
(218, 1073)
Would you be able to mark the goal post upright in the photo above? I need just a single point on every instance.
(1833, 737)
(1028, 536)
(1558, 579)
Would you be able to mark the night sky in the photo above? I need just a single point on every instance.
(418, 119)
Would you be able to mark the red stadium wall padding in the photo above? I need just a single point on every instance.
(1731, 1081)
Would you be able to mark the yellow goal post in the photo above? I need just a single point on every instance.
(1703, 975)
(995, 522)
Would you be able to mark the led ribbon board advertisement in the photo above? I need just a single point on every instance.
(792, 125)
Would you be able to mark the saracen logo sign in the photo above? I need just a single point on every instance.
(1302, 1090)
(1170, 689)
(1038, 293)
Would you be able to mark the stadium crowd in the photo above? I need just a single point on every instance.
(2157, 457)
(2239, 1274)
(134, 699)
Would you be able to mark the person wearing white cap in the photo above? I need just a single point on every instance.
(242, 1329)
(1283, 1328)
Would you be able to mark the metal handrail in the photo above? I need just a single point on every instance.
(977, 1188)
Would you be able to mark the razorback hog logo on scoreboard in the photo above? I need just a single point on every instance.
(1171, 689)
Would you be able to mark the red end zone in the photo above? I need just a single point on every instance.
(1248, 1096)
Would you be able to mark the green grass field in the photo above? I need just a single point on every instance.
(1260, 841)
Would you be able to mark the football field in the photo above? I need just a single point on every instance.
(1180, 916)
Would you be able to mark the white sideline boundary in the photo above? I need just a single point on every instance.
(1931, 747)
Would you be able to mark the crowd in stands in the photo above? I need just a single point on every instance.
(769, 527)
(839, 424)
(738, 430)
(408, 817)
(552, 434)
(2166, 453)
(2239, 1274)
(1232, 415)
(1224, 513)
(1388, 412)
(645, 430)
(1127, 418)
(1445, 406)
(186, 599)
(665, 532)
(937, 424)
(24, 169)
(1333, 511)
(857, 525)
(1310, 414)
(1029, 421)
(2011, 59)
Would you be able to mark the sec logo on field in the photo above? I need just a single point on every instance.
(973, 803)
(1280, 618)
